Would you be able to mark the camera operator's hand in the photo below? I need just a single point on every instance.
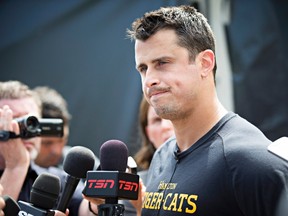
(13, 151)
(14, 158)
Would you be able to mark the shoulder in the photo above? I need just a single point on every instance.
(245, 149)
(143, 175)
(238, 136)
(167, 147)
(166, 150)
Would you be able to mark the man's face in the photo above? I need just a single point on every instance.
(52, 150)
(170, 80)
(23, 107)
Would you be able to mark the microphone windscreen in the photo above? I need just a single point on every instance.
(11, 208)
(45, 191)
(113, 156)
(78, 161)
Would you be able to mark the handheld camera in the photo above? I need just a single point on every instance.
(31, 126)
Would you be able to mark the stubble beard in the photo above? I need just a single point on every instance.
(169, 112)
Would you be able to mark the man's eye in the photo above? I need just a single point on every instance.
(142, 69)
(162, 62)
(47, 143)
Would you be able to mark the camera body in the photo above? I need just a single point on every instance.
(31, 126)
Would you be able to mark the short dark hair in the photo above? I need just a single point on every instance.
(53, 104)
(192, 28)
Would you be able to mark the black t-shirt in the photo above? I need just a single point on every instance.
(228, 172)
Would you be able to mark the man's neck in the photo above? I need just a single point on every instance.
(189, 131)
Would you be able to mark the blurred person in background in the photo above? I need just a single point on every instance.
(53, 148)
(17, 154)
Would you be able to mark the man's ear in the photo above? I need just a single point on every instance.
(207, 59)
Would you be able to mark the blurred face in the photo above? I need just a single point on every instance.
(20, 108)
(52, 149)
(158, 130)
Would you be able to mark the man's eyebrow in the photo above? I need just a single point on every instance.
(153, 61)
(161, 59)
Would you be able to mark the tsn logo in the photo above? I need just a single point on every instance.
(23, 213)
(110, 183)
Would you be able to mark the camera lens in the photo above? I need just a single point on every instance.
(32, 124)
(29, 127)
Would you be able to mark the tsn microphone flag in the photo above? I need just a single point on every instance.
(107, 184)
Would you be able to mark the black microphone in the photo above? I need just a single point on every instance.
(11, 207)
(113, 156)
(76, 164)
(111, 181)
(43, 196)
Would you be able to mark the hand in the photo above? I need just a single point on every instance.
(141, 193)
(13, 151)
(14, 157)
(59, 213)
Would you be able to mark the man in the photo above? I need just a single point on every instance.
(218, 164)
(53, 106)
(17, 169)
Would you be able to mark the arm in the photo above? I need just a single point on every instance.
(14, 157)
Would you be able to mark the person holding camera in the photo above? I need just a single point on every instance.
(17, 154)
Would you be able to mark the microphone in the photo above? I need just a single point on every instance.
(113, 156)
(11, 207)
(43, 196)
(111, 182)
(76, 164)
